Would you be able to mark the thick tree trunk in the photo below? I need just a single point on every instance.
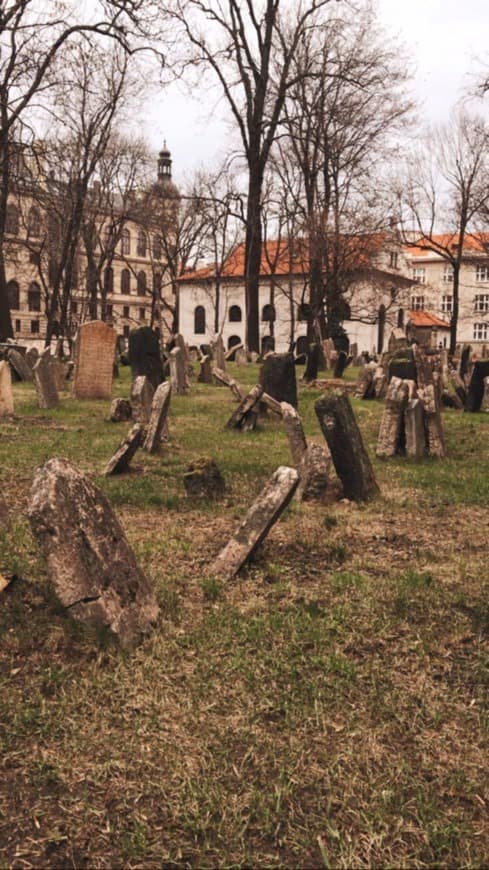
(253, 245)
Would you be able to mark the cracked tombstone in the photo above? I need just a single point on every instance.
(142, 393)
(95, 348)
(91, 565)
(19, 365)
(246, 414)
(6, 394)
(264, 512)
(157, 420)
(344, 439)
(45, 381)
(391, 438)
(126, 450)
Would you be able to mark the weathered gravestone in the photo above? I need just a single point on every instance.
(341, 363)
(365, 385)
(314, 471)
(241, 357)
(92, 567)
(222, 377)
(124, 453)
(343, 437)
(95, 348)
(120, 410)
(45, 380)
(178, 372)
(6, 394)
(397, 340)
(142, 393)
(402, 365)
(465, 361)
(205, 373)
(278, 379)
(219, 353)
(414, 425)
(485, 397)
(157, 420)
(20, 366)
(392, 435)
(428, 394)
(246, 414)
(260, 518)
(312, 364)
(203, 479)
(60, 373)
(475, 390)
(144, 355)
(32, 356)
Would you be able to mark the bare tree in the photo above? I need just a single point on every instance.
(250, 47)
(445, 193)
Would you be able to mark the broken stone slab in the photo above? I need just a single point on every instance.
(230, 354)
(295, 432)
(414, 425)
(120, 410)
(6, 394)
(178, 372)
(223, 378)
(203, 479)
(126, 450)
(91, 565)
(246, 413)
(264, 512)
(45, 380)
(269, 404)
(20, 366)
(344, 439)
(157, 421)
(391, 438)
(314, 471)
(205, 373)
(142, 392)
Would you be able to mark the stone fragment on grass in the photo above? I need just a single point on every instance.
(120, 410)
(203, 479)
(91, 565)
(45, 380)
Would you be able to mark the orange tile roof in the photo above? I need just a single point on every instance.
(475, 243)
(424, 318)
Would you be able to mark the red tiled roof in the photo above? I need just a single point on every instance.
(424, 318)
(474, 243)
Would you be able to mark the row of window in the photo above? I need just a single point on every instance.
(126, 281)
(419, 274)
(481, 303)
(235, 315)
(12, 221)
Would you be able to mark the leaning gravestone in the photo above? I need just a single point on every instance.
(95, 348)
(475, 390)
(32, 356)
(45, 380)
(92, 567)
(205, 374)
(19, 365)
(277, 378)
(260, 518)
(6, 395)
(159, 411)
(124, 453)
(142, 393)
(144, 355)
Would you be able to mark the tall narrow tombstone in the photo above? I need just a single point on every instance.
(350, 458)
(312, 364)
(60, 372)
(219, 353)
(20, 365)
(365, 383)
(260, 518)
(392, 438)
(415, 429)
(144, 355)
(475, 390)
(90, 563)
(157, 421)
(6, 394)
(485, 397)
(314, 471)
(178, 373)
(241, 357)
(95, 349)
(45, 380)
(295, 432)
(205, 374)
(329, 351)
(428, 395)
(142, 393)
(278, 379)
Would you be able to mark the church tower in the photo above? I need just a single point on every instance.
(164, 165)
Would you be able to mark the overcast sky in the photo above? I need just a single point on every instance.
(447, 40)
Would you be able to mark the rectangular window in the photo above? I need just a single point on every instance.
(18, 326)
(448, 274)
(142, 313)
(447, 304)
(417, 303)
(419, 274)
(125, 331)
(110, 311)
(125, 311)
(35, 258)
(481, 331)
(481, 302)
(35, 327)
(74, 308)
(482, 273)
(393, 259)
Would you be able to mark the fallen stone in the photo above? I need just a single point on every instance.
(20, 366)
(203, 479)
(125, 452)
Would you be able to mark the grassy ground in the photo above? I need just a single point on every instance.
(328, 708)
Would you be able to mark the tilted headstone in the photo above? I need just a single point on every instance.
(157, 420)
(144, 355)
(178, 372)
(246, 413)
(260, 518)
(428, 395)
(142, 393)
(19, 365)
(230, 354)
(95, 349)
(341, 362)
(314, 471)
(6, 394)
(32, 356)
(222, 377)
(343, 437)
(295, 432)
(45, 380)
(125, 452)
(278, 379)
(120, 410)
(391, 439)
(475, 390)
(465, 361)
(365, 384)
(92, 567)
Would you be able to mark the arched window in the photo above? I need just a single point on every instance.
(199, 320)
(233, 340)
(304, 311)
(235, 314)
(125, 281)
(267, 344)
(302, 345)
(141, 246)
(12, 220)
(142, 285)
(268, 313)
(34, 297)
(13, 295)
(34, 222)
(400, 318)
(108, 235)
(380, 328)
(157, 247)
(109, 280)
(126, 241)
